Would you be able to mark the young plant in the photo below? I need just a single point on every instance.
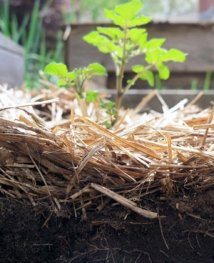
(75, 79)
(127, 39)
(110, 110)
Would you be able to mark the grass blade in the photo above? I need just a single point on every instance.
(6, 28)
(207, 80)
(33, 26)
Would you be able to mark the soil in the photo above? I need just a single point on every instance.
(184, 234)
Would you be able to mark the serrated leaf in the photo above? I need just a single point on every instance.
(139, 21)
(119, 21)
(129, 10)
(174, 55)
(113, 32)
(149, 76)
(96, 69)
(91, 37)
(56, 69)
(154, 43)
(103, 43)
(137, 35)
(163, 71)
(152, 56)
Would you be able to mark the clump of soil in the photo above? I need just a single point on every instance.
(185, 234)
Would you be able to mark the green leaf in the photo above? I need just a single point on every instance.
(56, 69)
(113, 32)
(174, 55)
(107, 104)
(146, 74)
(137, 35)
(103, 43)
(71, 76)
(152, 57)
(138, 68)
(162, 54)
(61, 82)
(125, 15)
(149, 76)
(131, 82)
(108, 124)
(163, 71)
(139, 21)
(154, 43)
(117, 20)
(92, 38)
(126, 42)
(91, 96)
(129, 10)
(96, 69)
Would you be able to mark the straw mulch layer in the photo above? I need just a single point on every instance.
(50, 152)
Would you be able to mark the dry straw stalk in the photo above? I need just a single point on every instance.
(72, 159)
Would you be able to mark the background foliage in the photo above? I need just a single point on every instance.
(83, 10)
(29, 23)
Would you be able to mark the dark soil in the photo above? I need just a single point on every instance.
(186, 234)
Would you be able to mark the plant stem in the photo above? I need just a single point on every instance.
(119, 92)
(119, 80)
(136, 77)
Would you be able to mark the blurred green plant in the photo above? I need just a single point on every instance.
(31, 35)
(207, 82)
(110, 110)
(194, 84)
(84, 10)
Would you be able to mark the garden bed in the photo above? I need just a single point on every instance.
(73, 191)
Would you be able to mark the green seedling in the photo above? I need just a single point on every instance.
(75, 79)
(110, 110)
(127, 39)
